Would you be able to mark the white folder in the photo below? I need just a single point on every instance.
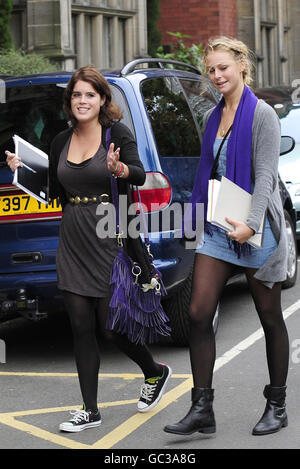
(32, 176)
(227, 199)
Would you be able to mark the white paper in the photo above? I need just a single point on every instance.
(227, 199)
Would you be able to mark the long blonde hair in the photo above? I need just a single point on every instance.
(239, 51)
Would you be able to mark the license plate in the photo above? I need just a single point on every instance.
(23, 204)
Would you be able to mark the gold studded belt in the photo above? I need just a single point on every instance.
(100, 199)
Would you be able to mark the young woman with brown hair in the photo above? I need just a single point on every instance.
(80, 168)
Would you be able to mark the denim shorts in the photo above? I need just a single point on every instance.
(217, 246)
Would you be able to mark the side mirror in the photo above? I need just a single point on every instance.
(287, 144)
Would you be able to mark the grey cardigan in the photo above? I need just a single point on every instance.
(266, 196)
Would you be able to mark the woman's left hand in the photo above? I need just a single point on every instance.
(113, 157)
(241, 232)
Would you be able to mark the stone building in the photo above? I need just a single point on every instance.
(271, 28)
(105, 33)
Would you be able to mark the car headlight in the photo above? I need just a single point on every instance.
(297, 192)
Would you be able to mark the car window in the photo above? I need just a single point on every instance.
(119, 98)
(289, 120)
(173, 124)
(289, 164)
(35, 113)
(200, 95)
(32, 112)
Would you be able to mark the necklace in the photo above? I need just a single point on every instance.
(223, 130)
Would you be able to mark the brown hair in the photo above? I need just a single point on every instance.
(239, 51)
(109, 112)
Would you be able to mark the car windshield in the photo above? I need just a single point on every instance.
(32, 112)
(35, 113)
(172, 122)
(289, 164)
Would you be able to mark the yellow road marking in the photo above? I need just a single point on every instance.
(40, 433)
(113, 437)
(123, 430)
(51, 410)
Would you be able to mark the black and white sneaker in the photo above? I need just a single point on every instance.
(81, 419)
(153, 389)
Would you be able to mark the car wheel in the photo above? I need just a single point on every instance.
(292, 252)
(177, 309)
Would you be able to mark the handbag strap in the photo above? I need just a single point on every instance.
(114, 184)
(144, 221)
(115, 199)
(216, 161)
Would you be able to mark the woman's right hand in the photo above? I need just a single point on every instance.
(13, 161)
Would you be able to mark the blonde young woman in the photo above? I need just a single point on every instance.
(249, 157)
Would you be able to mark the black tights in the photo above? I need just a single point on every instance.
(87, 315)
(210, 277)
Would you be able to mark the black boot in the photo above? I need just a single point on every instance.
(274, 416)
(200, 417)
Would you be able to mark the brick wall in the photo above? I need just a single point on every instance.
(200, 19)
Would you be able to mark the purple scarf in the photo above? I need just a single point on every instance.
(238, 156)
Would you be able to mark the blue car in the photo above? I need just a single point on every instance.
(163, 103)
(286, 102)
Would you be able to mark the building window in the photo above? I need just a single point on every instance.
(284, 58)
(122, 39)
(107, 37)
(265, 49)
(266, 36)
(101, 38)
(74, 18)
(268, 9)
(88, 39)
(82, 39)
(17, 29)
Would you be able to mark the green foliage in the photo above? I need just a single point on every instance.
(154, 36)
(5, 15)
(180, 51)
(20, 63)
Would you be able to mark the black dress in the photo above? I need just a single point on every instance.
(84, 259)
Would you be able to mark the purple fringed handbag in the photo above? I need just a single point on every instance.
(135, 308)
